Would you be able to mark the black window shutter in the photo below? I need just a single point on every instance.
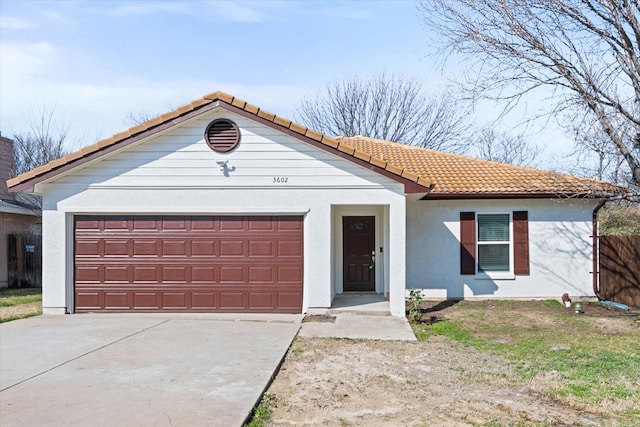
(467, 243)
(521, 242)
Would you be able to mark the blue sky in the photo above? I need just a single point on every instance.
(97, 61)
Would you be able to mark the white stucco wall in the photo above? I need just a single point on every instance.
(560, 249)
(176, 173)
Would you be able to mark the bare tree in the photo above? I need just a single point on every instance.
(139, 117)
(43, 142)
(593, 155)
(586, 51)
(386, 107)
(502, 147)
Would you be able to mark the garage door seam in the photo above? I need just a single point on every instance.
(84, 354)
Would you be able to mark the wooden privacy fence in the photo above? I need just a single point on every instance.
(620, 269)
(25, 261)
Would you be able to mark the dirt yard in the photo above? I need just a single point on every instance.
(435, 382)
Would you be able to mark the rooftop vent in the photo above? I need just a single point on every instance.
(222, 135)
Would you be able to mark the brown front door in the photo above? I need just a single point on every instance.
(359, 241)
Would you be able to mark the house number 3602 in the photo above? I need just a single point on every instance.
(280, 179)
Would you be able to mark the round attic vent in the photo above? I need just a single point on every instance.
(222, 135)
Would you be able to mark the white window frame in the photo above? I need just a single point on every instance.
(492, 275)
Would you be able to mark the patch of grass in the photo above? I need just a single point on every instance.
(21, 316)
(297, 350)
(262, 412)
(589, 368)
(13, 297)
(506, 303)
(551, 303)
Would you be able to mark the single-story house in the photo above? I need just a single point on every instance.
(19, 221)
(221, 206)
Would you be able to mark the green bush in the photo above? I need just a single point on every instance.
(620, 220)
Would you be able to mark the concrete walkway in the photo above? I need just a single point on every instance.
(357, 326)
(131, 370)
(356, 316)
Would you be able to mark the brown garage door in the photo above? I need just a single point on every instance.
(188, 263)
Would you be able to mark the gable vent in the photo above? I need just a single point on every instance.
(222, 135)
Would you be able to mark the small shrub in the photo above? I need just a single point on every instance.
(415, 301)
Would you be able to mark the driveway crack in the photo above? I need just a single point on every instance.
(85, 354)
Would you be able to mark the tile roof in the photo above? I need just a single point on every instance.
(25, 181)
(455, 175)
(447, 175)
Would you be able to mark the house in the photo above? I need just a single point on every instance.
(19, 215)
(221, 206)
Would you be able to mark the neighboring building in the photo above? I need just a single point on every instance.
(221, 206)
(19, 214)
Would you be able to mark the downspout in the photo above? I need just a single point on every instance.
(594, 236)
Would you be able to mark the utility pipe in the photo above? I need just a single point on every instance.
(594, 236)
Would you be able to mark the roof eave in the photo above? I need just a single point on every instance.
(25, 182)
(515, 195)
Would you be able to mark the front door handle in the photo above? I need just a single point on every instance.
(373, 260)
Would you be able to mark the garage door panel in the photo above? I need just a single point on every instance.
(232, 223)
(176, 248)
(145, 274)
(232, 300)
(144, 223)
(261, 300)
(232, 274)
(90, 300)
(290, 274)
(261, 274)
(203, 248)
(261, 248)
(290, 248)
(146, 300)
(174, 274)
(116, 223)
(90, 223)
(201, 300)
(175, 300)
(289, 223)
(204, 223)
(114, 300)
(175, 223)
(232, 248)
(116, 274)
(289, 300)
(204, 274)
(88, 274)
(262, 224)
(89, 248)
(188, 263)
(116, 247)
(145, 248)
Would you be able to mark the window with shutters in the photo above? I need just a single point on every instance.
(494, 243)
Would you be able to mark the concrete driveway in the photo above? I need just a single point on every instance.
(138, 369)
